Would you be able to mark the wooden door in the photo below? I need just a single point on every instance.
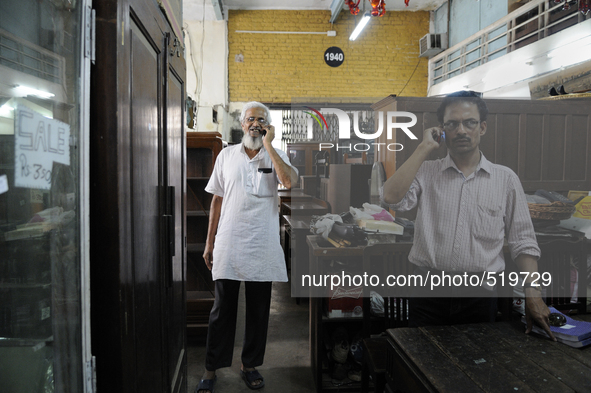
(146, 167)
(137, 232)
(175, 301)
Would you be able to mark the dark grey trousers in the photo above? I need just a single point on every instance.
(222, 324)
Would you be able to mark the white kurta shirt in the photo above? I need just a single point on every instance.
(247, 246)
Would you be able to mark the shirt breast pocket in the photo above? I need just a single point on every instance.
(264, 184)
(489, 225)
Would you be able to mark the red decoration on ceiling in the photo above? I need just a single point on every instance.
(353, 6)
(584, 6)
(378, 7)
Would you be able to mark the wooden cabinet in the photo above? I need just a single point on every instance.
(347, 186)
(546, 143)
(347, 308)
(302, 154)
(202, 150)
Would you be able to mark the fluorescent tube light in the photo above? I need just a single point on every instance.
(360, 26)
(6, 110)
(29, 91)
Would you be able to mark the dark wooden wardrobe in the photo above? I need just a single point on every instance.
(137, 193)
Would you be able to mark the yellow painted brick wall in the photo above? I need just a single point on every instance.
(279, 67)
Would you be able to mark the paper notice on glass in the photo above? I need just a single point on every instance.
(3, 184)
(39, 141)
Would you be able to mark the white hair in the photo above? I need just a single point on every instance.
(254, 104)
(253, 143)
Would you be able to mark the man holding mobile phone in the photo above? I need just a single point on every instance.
(243, 243)
(467, 206)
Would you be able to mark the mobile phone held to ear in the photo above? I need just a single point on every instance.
(263, 132)
(439, 138)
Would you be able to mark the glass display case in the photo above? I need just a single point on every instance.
(43, 118)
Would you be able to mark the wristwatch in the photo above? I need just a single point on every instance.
(530, 285)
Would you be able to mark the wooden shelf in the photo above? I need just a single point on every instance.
(198, 178)
(328, 385)
(341, 319)
(197, 329)
(198, 213)
(24, 342)
(24, 286)
(202, 151)
(301, 155)
(196, 247)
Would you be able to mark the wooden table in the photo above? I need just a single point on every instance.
(303, 208)
(294, 243)
(295, 194)
(287, 196)
(428, 353)
(488, 357)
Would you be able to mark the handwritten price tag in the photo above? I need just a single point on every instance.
(39, 141)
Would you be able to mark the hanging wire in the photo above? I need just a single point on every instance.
(413, 73)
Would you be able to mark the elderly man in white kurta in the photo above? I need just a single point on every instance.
(243, 243)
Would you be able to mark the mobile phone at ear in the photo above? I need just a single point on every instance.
(263, 132)
(440, 138)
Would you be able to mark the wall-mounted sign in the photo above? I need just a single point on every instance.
(38, 142)
(334, 56)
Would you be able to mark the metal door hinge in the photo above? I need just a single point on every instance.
(91, 375)
(90, 34)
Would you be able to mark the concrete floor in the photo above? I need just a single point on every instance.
(287, 359)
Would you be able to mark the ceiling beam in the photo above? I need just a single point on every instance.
(335, 9)
(217, 8)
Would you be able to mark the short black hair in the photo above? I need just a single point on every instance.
(470, 96)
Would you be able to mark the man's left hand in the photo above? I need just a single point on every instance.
(537, 312)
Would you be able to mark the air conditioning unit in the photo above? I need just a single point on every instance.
(432, 44)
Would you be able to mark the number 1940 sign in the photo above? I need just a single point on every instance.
(334, 56)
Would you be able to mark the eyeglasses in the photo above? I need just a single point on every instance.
(452, 125)
(261, 120)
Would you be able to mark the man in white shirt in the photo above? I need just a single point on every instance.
(467, 206)
(243, 243)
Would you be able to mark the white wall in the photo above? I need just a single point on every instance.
(470, 16)
(206, 53)
(439, 18)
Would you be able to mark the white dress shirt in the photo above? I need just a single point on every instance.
(462, 222)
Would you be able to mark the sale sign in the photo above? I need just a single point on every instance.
(38, 142)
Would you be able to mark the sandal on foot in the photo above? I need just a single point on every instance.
(250, 377)
(206, 384)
